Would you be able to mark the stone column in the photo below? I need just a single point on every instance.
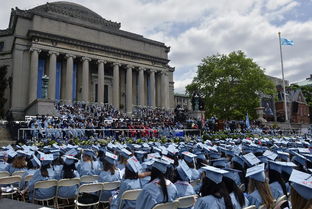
(163, 92)
(152, 88)
(101, 81)
(141, 86)
(69, 78)
(129, 90)
(52, 74)
(116, 85)
(85, 79)
(33, 75)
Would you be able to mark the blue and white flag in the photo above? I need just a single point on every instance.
(285, 41)
(247, 121)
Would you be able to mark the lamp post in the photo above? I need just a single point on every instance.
(45, 82)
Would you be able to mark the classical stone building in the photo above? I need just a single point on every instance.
(86, 57)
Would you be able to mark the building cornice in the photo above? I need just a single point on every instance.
(112, 50)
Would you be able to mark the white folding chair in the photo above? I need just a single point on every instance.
(4, 174)
(10, 180)
(129, 195)
(194, 183)
(251, 207)
(89, 179)
(109, 186)
(262, 207)
(187, 201)
(168, 205)
(89, 188)
(45, 185)
(18, 173)
(66, 183)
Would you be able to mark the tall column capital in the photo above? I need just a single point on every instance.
(101, 61)
(32, 49)
(130, 66)
(152, 71)
(70, 56)
(141, 68)
(86, 59)
(53, 52)
(116, 64)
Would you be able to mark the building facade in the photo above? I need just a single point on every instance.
(183, 100)
(86, 58)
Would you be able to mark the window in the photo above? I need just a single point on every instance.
(1, 46)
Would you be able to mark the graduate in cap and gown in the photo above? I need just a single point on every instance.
(69, 171)
(130, 182)
(259, 191)
(88, 165)
(183, 178)
(41, 175)
(109, 173)
(190, 160)
(33, 166)
(3, 161)
(213, 191)
(301, 190)
(19, 162)
(277, 184)
(159, 189)
(237, 196)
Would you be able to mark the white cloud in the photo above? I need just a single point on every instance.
(196, 29)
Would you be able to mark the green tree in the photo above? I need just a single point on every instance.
(3, 86)
(230, 85)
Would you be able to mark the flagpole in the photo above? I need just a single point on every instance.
(284, 88)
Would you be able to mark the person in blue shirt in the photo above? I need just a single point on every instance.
(33, 166)
(3, 161)
(109, 173)
(259, 192)
(19, 164)
(131, 181)
(88, 165)
(183, 176)
(69, 171)
(41, 175)
(213, 191)
(159, 189)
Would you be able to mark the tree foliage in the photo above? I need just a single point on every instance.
(3, 86)
(306, 91)
(230, 85)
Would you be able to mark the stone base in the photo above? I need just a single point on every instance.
(41, 107)
(197, 114)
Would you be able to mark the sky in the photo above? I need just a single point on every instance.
(195, 29)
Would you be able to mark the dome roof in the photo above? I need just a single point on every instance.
(73, 10)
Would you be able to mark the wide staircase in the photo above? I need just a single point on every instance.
(5, 137)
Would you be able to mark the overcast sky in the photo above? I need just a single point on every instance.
(195, 29)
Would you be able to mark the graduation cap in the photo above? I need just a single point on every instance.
(222, 162)
(238, 160)
(184, 171)
(161, 165)
(214, 174)
(171, 161)
(134, 165)
(302, 160)
(153, 155)
(270, 155)
(21, 153)
(110, 157)
(251, 159)
(275, 166)
(11, 153)
(125, 153)
(256, 173)
(287, 166)
(46, 158)
(302, 183)
(283, 155)
(35, 161)
(71, 152)
(89, 152)
(232, 173)
(69, 160)
(188, 156)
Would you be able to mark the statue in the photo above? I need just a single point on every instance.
(196, 101)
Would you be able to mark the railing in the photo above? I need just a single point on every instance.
(28, 133)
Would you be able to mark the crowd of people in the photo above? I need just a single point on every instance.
(85, 121)
(231, 173)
